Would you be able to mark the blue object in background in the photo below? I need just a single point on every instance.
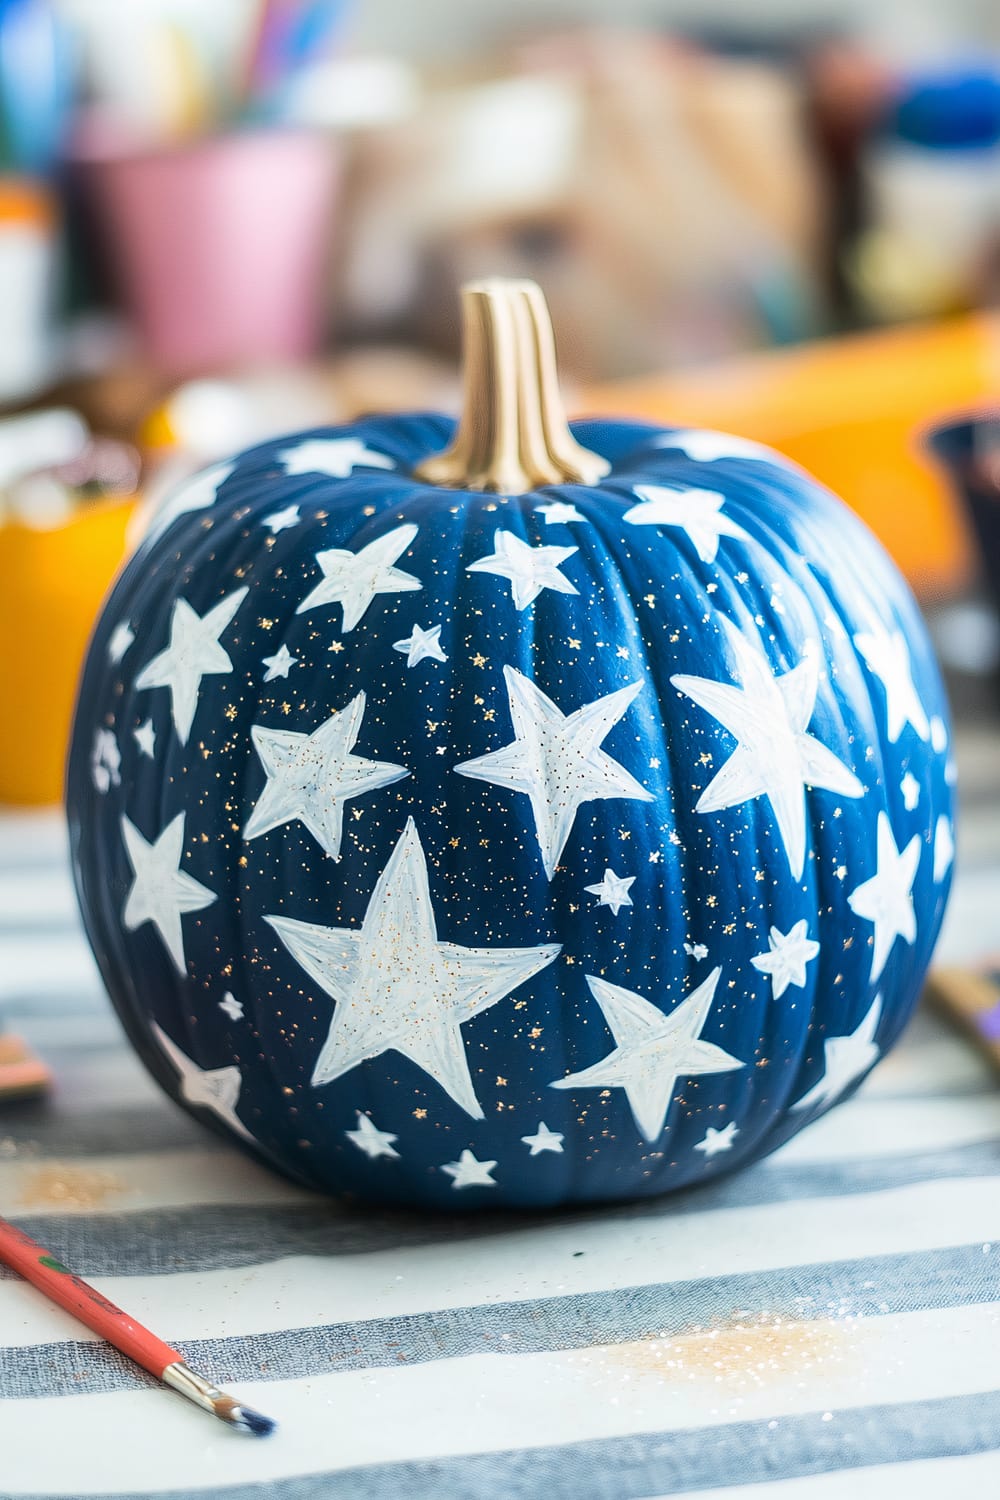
(455, 849)
(956, 109)
(36, 85)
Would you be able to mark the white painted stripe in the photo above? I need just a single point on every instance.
(865, 1128)
(523, 1265)
(487, 1403)
(974, 1476)
(38, 1186)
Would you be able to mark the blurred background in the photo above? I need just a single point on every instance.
(219, 221)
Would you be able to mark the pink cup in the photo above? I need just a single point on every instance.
(221, 247)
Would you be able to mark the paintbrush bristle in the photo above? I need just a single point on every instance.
(249, 1420)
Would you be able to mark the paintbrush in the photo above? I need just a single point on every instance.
(43, 1270)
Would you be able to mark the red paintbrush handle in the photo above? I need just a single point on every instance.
(41, 1268)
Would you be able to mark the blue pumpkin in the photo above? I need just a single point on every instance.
(575, 834)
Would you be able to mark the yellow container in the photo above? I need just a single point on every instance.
(52, 582)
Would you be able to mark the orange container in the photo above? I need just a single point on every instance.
(854, 411)
(52, 582)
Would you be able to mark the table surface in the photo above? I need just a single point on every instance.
(782, 1334)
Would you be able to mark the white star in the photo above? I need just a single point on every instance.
(697, 512)
(105, 761)
(396, 986)
(280, 520)
(231, 1007)
(468, 1172)
(653, 1050)
(556, 759)
(311, 776)
(886, 899)
(337, 457)
(528, 569)
(944, 848)
(559, 512)
(786, 958)
(119, 641)
(845, 1058)
(704, 446)
(421, 643)
(774, 757)
(939, 735)
(162, 892)
(278, 665)
(544, 1139)
(613, 891)
(718, 1140)
(372, 1141)
(910, 788)
(887, 655)
(217, 1089)
(196, 493)
(193, 653)
(354, 578)
(145, 738)
(697, 951)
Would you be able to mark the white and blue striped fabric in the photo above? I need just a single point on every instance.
(824, 1325)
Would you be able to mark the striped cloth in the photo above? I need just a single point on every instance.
(821, 1326)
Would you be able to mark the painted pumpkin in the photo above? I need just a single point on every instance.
(553, 818)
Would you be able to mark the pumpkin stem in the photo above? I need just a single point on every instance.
(513, 434)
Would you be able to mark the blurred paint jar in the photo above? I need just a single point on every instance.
(28, 263)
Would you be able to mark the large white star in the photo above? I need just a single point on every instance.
(372, 1141)
(887, 655)
(653, 1050)
(469, 1172)
(774, 756)
(715, 1141)
(705, 445)
(555, 758)
(194, 652)
(697, 512)
(612, 891)
(544, 1139)
(217, 1089)
(420, 644)
(337, 457)
(887, 898)
(558, 513)
(196, 493)
(528, 569)
(354, 578)
(845, 1059)
(311, 776)
(787, 956)
(162, 892)
(396, 986)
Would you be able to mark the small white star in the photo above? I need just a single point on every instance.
(372, 1141)
(910, 789)
(887, 655)
(845, 1059)
(944, 848)
(105, 761)
(280, 520)
(119, 641)
(231, 1007)
(696, 512)
(353, 579)
(420, 644)
(145, 738)
(544, 1139)
(162, 892)
(468, 1172)
(704, 446)
(217, 1089)
(653, 1050)
(939, 735)
(559, 512)
(194, 652)
(280, 664)
(718, 1140)
(337, 457)
(697, 951)
(886, 899)
(787, 956)
(528, 569)
(199, 492)
(613, 891)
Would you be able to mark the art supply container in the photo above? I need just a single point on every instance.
(28, 260)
